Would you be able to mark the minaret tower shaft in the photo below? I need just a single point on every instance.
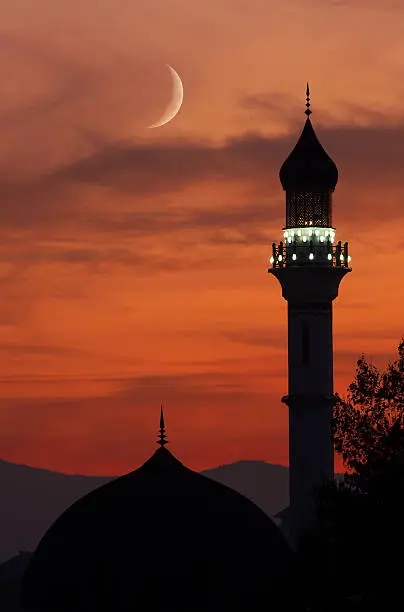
(309, 267)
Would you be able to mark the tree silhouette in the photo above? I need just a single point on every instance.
(352, 559)
(363, 423)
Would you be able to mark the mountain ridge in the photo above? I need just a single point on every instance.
(32, 498)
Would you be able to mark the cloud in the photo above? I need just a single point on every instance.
(379, 5)
(372, 152)
(51, 78)
(369, 157)
(13, 349)
(271, 339)
(72, 254)
(132, 401)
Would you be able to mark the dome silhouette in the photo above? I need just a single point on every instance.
(308, 166)
(165, 538)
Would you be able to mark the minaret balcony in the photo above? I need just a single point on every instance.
(312, 252)
(304, 234)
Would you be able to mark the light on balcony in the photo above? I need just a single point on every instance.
(294, 256)
(271, 260)
(311, 256)
(349, 258)
(289, 239)
(341, 257)
(299, 233)
(329, 256)
(304, 238)
(279, 257)
(321, 238)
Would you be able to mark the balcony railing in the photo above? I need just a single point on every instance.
(309, 254)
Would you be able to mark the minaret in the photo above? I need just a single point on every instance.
(309, 268)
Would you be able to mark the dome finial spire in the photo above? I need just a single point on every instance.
(308, 111)
(162, 441)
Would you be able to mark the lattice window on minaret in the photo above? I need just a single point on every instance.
(305, 330)
(304, 208)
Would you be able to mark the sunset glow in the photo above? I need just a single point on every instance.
(133, 262)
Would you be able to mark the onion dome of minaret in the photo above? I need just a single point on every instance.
(308, 167)
(161, 538)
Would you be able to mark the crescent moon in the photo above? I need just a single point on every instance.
(176, 100)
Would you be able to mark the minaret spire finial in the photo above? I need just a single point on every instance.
(162, 441)
(308, 111)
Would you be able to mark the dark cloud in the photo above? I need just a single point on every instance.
(367, 157)
(237, 217)
(278, 106)
(345, 361)
(19, 350)
(392, 333)
(71, 254)
(171, 165)
(274, 338)
(382, 5)
(38, 204)
(243, 236)
(131, 399)
(98, 260)
(154, 175)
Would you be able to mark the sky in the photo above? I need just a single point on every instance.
(133, 262)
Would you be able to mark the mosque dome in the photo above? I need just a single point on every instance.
(161, 538)
(308, 167)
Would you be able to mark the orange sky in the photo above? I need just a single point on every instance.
(133, 262)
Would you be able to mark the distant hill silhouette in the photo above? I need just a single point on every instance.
(31, 499)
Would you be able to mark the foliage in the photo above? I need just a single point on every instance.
(331, 555)
(352, 551)
(362, 423)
